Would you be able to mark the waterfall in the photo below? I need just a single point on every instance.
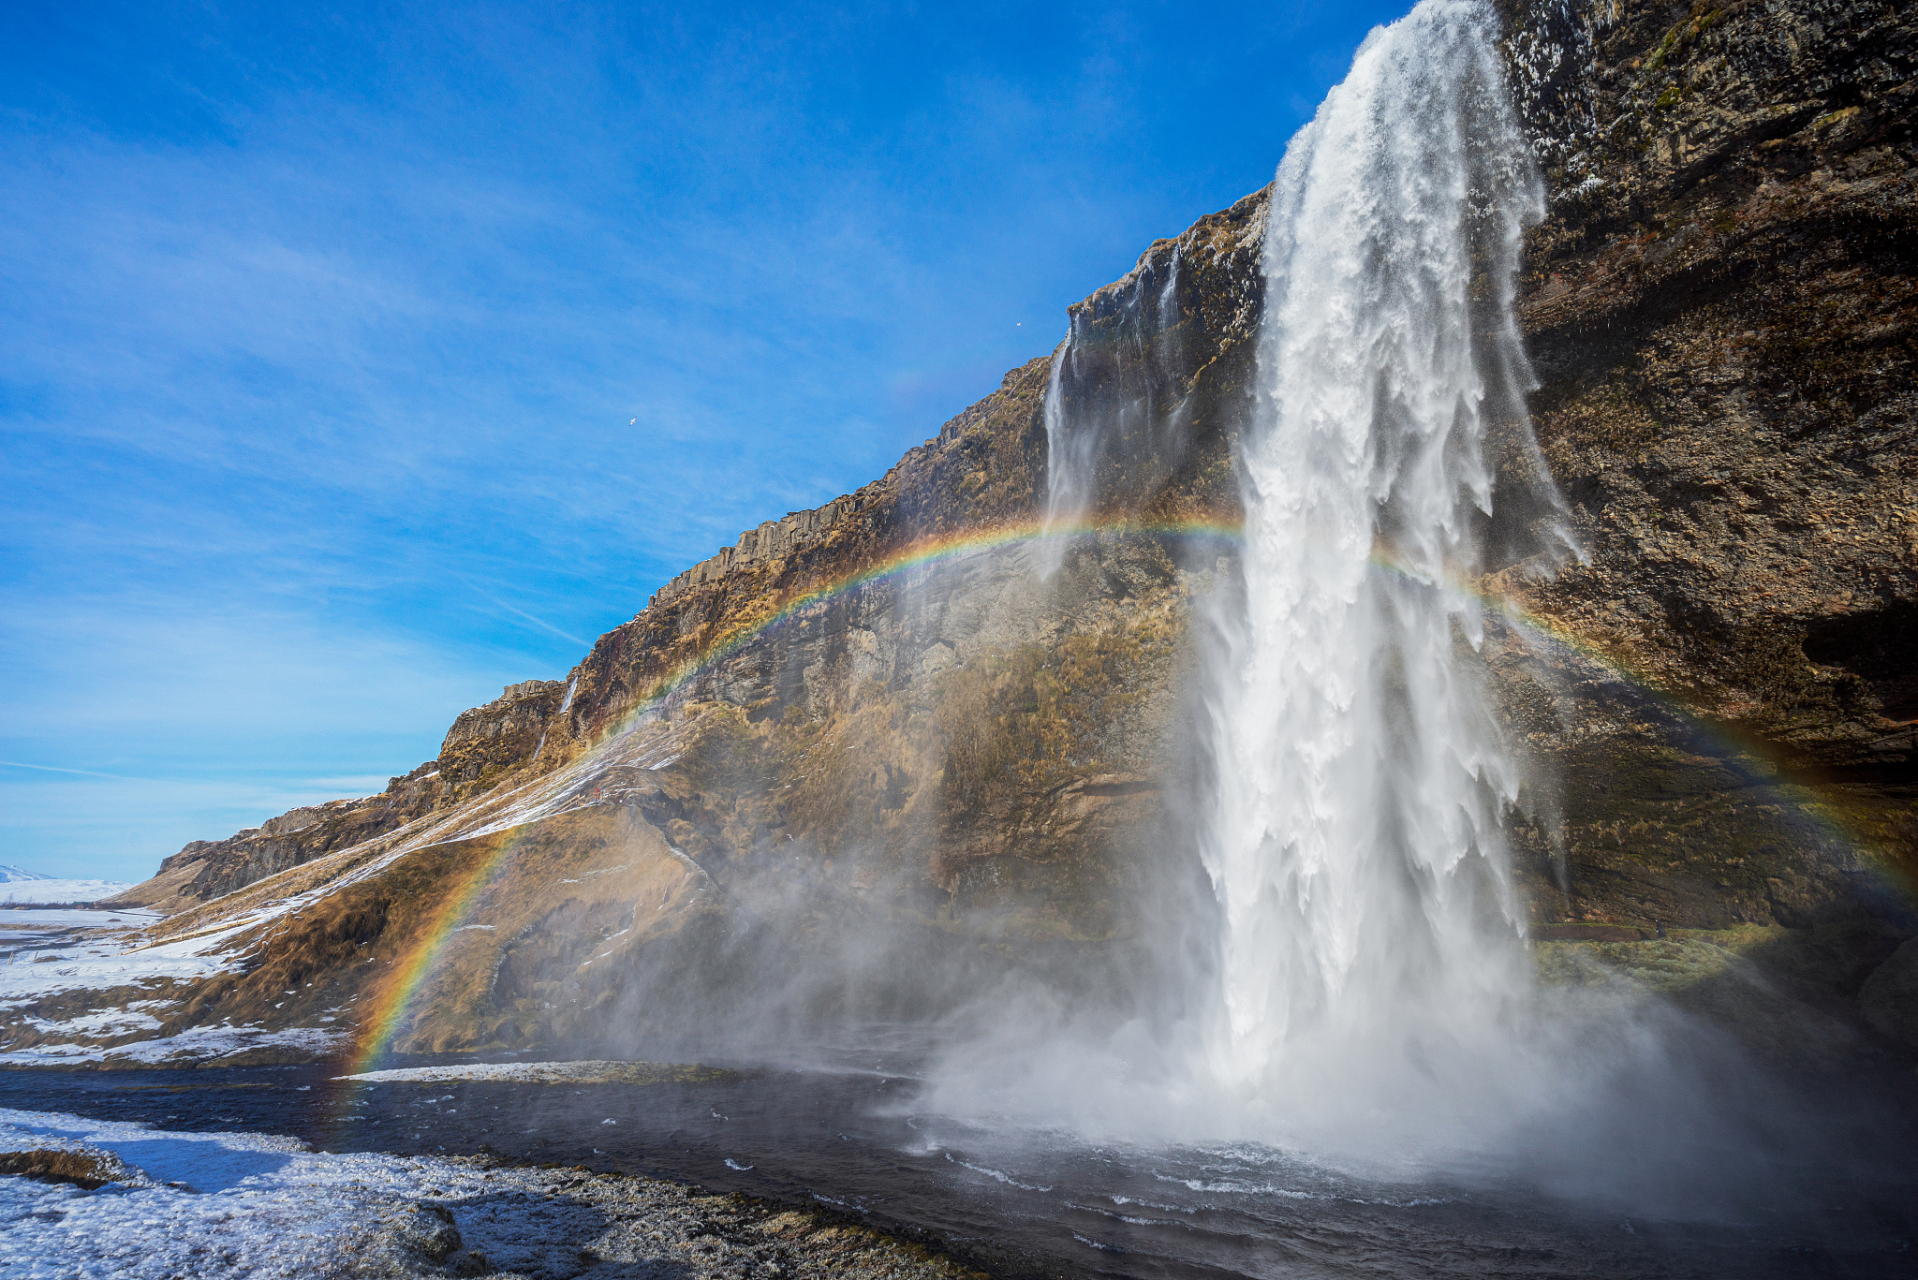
(1350, 981)
(1116, 402)
(565, 705)
(1358, 786)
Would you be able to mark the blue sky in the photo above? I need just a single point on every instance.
(361, 359)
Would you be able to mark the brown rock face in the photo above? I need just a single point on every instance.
(881, 719)
(1720, 308)
(487, 740)
(1723, 312)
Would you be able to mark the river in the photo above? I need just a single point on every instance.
(1020, 1203)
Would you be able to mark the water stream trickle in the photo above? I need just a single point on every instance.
(1116, 407)
(1370, 942)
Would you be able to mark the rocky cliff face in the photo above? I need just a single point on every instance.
(1720, 309)
(886, 710)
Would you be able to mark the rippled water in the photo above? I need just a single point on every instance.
(1025, 1203)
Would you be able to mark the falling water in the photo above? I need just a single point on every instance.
(564, 706)
(1116, 404)
(1370, 942)
(1368, 994)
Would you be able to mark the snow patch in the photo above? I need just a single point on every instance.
(587, 1072)
(192, 1046)
(210, 1205)
(48, 889)
(74, 918)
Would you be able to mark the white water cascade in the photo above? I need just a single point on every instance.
(1371, 949)
(1356, 990)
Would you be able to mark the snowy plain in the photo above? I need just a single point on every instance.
(29, 919)
(199, 1204)
(48, 889)
(60, 953)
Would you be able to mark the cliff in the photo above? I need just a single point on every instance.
(1720, 310)
(884, 716)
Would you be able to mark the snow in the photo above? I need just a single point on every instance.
(47, 960)
(102, 962)
(581, 785)
(586, 1072)
(61, 953)
(522, 1071)
(193, 1046)
(105, 1022)
(47, 889)
(228, 1206)
(242, 1204)
(115, 956)
(73, 917)
(9, 874)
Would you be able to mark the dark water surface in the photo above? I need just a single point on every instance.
(1026, 1205)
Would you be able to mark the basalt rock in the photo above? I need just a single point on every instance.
(1721, 310)
(510, 730)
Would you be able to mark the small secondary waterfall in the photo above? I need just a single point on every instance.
(565, 705)
(1353, 827)
(1116, 403)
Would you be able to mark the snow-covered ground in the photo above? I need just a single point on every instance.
(100, 960)
(47, 889)
(192, 1047)
(13, 919)
(204, 1204)
(222, 1206)
(59, 953)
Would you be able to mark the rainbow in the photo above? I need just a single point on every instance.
(395, 998)
(390, 1007)
(916, 555)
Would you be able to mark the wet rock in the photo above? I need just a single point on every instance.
(1890, 996)
(87, 1169)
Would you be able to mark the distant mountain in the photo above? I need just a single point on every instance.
(13, 875)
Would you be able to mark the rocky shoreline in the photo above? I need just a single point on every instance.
(146, 1202)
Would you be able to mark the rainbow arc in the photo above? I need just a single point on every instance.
(393, 1005)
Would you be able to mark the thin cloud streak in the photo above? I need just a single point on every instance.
(84, 773)
(541, 623)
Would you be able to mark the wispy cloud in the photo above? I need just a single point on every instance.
(515, 610)
(84, 773)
